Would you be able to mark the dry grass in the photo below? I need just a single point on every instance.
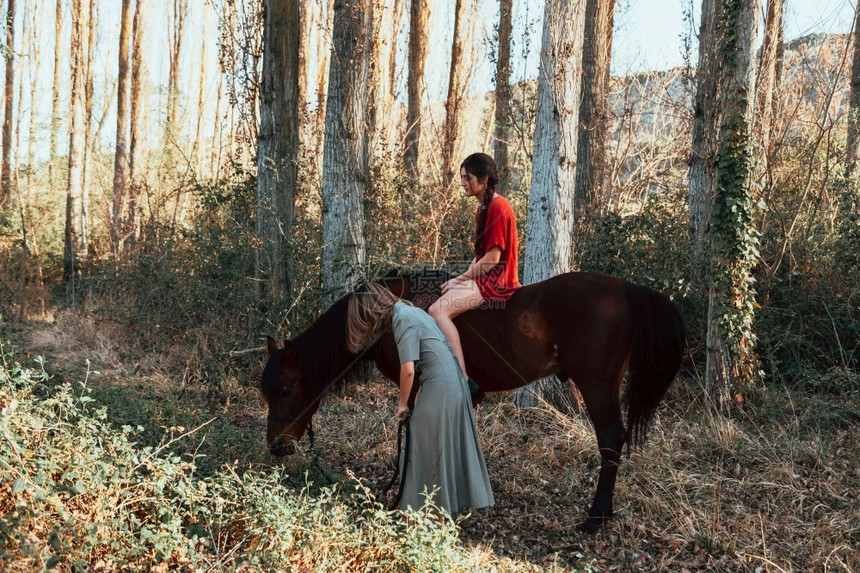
(773, 490)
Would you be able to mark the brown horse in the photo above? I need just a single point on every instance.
(585, 327)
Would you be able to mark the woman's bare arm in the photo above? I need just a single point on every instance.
(407, 377)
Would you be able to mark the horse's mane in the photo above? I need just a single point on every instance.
(321, 351)
(323, 357)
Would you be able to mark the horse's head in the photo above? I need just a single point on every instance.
(289, 398)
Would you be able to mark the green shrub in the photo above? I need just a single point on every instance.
(78, 493)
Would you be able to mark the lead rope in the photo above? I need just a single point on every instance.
(402, 427)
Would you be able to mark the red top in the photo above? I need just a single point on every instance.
(500, 231)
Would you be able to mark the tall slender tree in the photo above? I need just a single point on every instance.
(457, 78)
(76, 139)
(120, 166)
(593, 112)
(322, 78)
(503, 92)
(345, 149)
(419, 15)
(767, 86)
(34, 61)
(177, 37)
(137, 118)
(56, 117)
(852, 146)
(550, 209)
(702, 147)
(731, 236)
(89, 63)
(381, 92)
(197, 145)
(277, 150)
(8, 106)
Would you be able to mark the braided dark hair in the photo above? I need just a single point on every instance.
(481, 165)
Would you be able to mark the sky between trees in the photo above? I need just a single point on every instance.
(649, 35)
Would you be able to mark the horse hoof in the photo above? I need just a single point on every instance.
(591, 525)
(594, 521)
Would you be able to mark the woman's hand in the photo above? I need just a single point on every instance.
(402, 412)
(450, 284)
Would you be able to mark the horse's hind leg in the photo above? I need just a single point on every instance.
(601, 401)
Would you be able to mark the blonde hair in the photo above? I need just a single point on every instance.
(369, 314)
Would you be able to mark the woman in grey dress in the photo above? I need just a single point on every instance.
(444, 451)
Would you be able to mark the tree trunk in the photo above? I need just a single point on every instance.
(324, 50)
(732, 238)
(76, 139)
(702, 147)
(119, 209)
(277, 151)
(8, 105)
(177, 35)
(456, 90)
(215, 151)
(345, 150)
(137, 99)
(550, 217)
(197, 146)
(35, 67)
(419, 14)
(392, 55)
(852, 146)
(767, 87)
(380, 101)
(593, 113)
(30, 240)
(56, 118)
(92, 23)
(503, 92)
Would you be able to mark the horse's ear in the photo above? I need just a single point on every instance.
(271, 345)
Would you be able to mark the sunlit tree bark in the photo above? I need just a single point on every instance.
(767, 86)
(92, 23)
(137, 129)
(852, 146)
(593, 113)
(277, 151)
(35, 65)
(8, 106)
(503, 91)
(120, 166)
(457, 78)
(56, 118)
(322, 79)
(76, 139)
(419, 13)
(731, 235)
(177, 36)
(550, 210)
(702, 148)
(381, 124)
(345, 149)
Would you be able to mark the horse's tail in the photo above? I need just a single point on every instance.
(658, 346)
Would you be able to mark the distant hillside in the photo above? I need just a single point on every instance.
(649, 107)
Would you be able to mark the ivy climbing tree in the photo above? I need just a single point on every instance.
(732, 239)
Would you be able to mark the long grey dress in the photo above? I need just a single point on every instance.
(444, 451)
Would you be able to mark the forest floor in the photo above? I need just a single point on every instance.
(773, 489)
